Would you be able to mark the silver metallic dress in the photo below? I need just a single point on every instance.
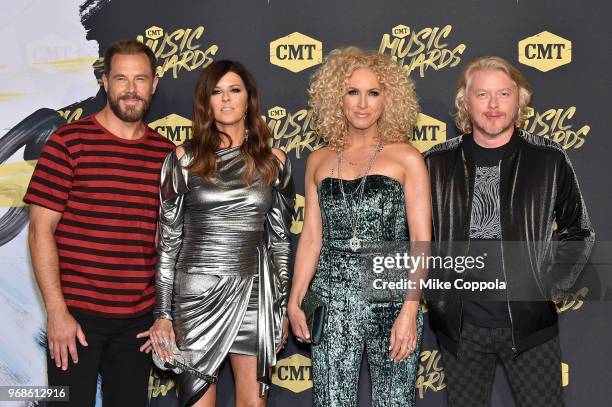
(222, 273)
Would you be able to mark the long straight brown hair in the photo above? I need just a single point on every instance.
(206, 137)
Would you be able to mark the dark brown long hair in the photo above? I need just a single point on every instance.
(206, 137)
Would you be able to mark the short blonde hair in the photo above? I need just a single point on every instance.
(462, 117)
(329, 85)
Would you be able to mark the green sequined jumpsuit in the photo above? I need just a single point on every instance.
(355, 324)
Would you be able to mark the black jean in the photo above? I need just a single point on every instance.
(112, 352)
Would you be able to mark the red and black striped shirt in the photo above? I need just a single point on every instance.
(107, 189)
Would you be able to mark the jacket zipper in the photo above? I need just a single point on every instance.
(501, 243)
(467, 252)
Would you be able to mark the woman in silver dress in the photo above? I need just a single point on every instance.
(224, 236)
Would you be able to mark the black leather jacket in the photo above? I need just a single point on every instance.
(538, 186)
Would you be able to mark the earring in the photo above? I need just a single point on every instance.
(246, 135)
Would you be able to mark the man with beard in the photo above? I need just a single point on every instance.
(496, 192)
(94, 199)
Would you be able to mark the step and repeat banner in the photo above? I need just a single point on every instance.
(50, 70)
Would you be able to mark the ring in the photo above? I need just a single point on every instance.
(299, 339)
(163, 343)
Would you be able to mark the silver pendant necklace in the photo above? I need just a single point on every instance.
(353, 218)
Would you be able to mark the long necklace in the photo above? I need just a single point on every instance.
(353, 218)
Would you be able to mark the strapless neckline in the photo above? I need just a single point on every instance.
(359, 179)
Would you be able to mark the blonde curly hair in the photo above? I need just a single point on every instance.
(462, 117)
(329, 84)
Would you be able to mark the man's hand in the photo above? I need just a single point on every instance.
(62, 329)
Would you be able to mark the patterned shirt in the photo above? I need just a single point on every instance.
(107, 189)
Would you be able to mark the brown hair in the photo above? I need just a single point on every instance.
(129, 47)
(462, 117)
(206, 137)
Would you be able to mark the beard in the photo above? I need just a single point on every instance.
(129, 113)
(493, 131)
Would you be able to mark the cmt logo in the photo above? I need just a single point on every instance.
(179, 50)
(292, 131)
(428, 132)
(154, 32)
(400, 31)
(298, 215)
(277, 112)
(293, 373)
(296, 52)
(54, 54)
(545, 51)
(421, 49)
(174, 127)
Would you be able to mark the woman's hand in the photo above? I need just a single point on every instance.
(403, 335)
(284, 335)
(162, 338)
(298, 323)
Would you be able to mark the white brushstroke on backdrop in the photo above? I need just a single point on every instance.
(36, 35)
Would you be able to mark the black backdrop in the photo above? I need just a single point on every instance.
(566, 57)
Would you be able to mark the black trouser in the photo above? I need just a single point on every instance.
(112, 352)
(534, 376)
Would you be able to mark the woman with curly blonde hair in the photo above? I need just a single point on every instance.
(365, 190)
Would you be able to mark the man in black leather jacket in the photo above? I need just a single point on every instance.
(498, 189)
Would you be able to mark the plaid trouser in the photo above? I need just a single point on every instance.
(534, 376)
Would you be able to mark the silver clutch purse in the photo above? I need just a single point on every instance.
(177, 365)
